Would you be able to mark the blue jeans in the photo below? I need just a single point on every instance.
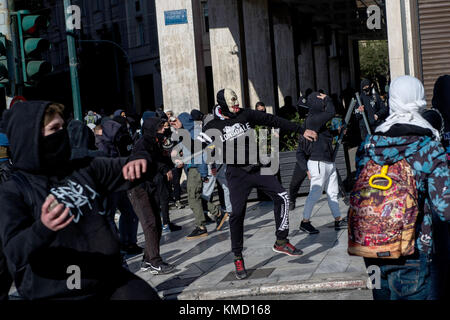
(407, 278)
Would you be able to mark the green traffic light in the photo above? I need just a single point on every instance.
(31, 24)
(35, 46)
(35, 69)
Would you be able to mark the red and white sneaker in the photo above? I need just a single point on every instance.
(288, 249)
(241, 273)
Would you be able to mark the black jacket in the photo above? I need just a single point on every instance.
(373, 105)
(236, 128)
(37, 257)
(320, 112)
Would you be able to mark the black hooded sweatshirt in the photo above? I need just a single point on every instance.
(238, 126)
(151, 142)
(320, 112)
(39, 258)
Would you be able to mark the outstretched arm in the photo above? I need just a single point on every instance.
(267, 119)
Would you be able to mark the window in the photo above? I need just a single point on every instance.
(138, 5)
(140, 37)
(205, 16)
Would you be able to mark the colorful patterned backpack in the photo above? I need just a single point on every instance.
(383, 211)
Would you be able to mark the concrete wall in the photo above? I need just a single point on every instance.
(284, 53)
(225, 46)
(321, 67)
(178, 50)
(306, 65)
(259, 56)
(335, 77)
(404, 51)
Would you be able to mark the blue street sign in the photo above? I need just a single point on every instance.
(175, 17)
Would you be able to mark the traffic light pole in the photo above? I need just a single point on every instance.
(5, 29)
(73, 63)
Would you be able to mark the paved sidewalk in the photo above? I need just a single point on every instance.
(204, 267)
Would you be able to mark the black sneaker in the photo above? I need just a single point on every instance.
(291, 206)
(221, 220)
(163, 268)
(288, 249)
(307, 227)
(173, 227)
(197, 233)
(241, 273)
(340, 224)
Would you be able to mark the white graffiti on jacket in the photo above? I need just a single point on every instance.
(73, 196)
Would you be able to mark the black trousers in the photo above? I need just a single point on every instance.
(162, 196)
(240, 184)
(5, 277)
(175, 183)
(298, 177)
(147, 210)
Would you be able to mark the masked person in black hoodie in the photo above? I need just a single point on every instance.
(374, 108)
(145, 198)
(316, 158)
(232, 125)
(57, 243)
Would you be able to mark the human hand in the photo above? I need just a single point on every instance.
(360, 109)
(309, 175)
(134, 169)
(54, 215)
(179, 164)
(376, 117)
(322, 96)
(175, 122)
(310, 135)
(169, 175)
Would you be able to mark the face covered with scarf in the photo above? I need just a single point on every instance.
(406, 104)
(55, 145)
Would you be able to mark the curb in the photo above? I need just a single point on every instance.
(280, 288)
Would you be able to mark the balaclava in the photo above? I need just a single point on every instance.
(366, 82)
(316, 106)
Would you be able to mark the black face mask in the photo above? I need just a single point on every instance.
(168, 132)
(55, 152)
(368, 91)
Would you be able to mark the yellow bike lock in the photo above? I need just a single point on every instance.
(383, 175)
